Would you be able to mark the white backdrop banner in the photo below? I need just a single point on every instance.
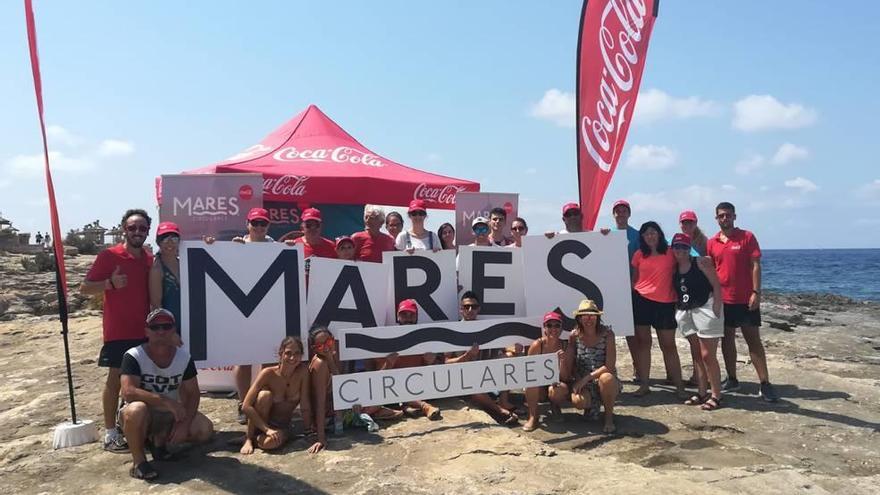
(495, 274)
(347, 294)
(437, 337)
(425, 276)
(445, 380)
(238, 301)
(562, 271)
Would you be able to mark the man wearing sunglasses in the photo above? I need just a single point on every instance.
(572, 218)
(737, 260)
(481, 228)
(313, 243)
(161, 396)
(121, 275)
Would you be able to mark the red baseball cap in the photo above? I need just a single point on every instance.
(621, 202)
(344, 238)
(552, 315)
(687, 215)
(167, 228)
(160, 315)
(681, 239)
(258, 214)
(407, 305)
(570, 206)
(311, 214)
(417, 205)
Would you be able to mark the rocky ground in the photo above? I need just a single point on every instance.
(822, 437)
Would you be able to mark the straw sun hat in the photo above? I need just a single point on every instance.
(587, 307)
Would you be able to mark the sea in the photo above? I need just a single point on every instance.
(854, 273)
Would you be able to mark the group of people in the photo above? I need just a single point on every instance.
(707, 287)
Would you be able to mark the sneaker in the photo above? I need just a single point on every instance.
(730, 385)
(768, 393)
(115, 442)
(242, 417)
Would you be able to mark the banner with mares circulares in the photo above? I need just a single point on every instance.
(612, 46)
(210, 204)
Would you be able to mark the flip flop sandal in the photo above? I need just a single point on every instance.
(696, 400)
(711, 404)
(143, 471)
(527, 428)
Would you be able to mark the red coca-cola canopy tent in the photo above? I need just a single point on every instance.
(310, 159)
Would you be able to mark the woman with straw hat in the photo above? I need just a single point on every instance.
(592, 357)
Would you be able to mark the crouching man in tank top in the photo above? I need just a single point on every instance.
(161, 397)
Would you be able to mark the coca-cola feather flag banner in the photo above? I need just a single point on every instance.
(612, 46)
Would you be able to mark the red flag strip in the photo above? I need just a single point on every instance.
(53, 207)
(612, 45)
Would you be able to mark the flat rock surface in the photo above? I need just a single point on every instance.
(822, 437)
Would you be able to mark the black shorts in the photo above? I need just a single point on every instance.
(738, 315)
(112, 352)
(652, 313)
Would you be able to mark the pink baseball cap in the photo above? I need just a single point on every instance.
(160, 315)
(552, 315)
(258, 214)
(407, 305)
(417, 205)
(167, 228)
(681, 239)
(570, 206)
(621, 202)
(687, 215)
(311, 214)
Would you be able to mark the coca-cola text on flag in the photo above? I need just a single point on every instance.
(612, 46)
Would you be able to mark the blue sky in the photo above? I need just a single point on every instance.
(770, 105)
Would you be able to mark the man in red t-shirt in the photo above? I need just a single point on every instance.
(314, 244)
(737, 258)
(121, 274)
(370, 243)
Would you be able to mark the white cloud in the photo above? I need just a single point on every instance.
(801, 184)
(654, 105)
(788, 153)
(650, 157)
(694, 197)
(870, 192)
(32, 165)
(56, 134)
(750, 164)
(764, 112)
(556, 106)
(776, 204)
(728, 187)
(115, 147)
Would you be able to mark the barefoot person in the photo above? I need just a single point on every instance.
(737, 260)
(161, 396)
(654, 305)
(121, 274)
(272, 399)
(592, 357)
(558, 393)
(698, 313)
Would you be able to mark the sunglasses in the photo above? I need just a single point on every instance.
(418, 213)
(553, 326)
(518, 229)
(171, 238)
(137, 228)
(161, 326)
(326, 346)
(259, 223)
(312, 224)
(681, 247)
(470, 306)
(481, 230)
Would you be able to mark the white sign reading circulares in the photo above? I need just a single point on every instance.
(444, 380)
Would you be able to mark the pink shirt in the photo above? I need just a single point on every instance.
(655, 276)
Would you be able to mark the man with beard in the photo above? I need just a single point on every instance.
(121, 275)
(737, 260)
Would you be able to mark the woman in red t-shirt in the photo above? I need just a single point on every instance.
(654, 300)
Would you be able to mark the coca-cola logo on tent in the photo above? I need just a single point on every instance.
(442, 194)
(285, 185)
(340, 154)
